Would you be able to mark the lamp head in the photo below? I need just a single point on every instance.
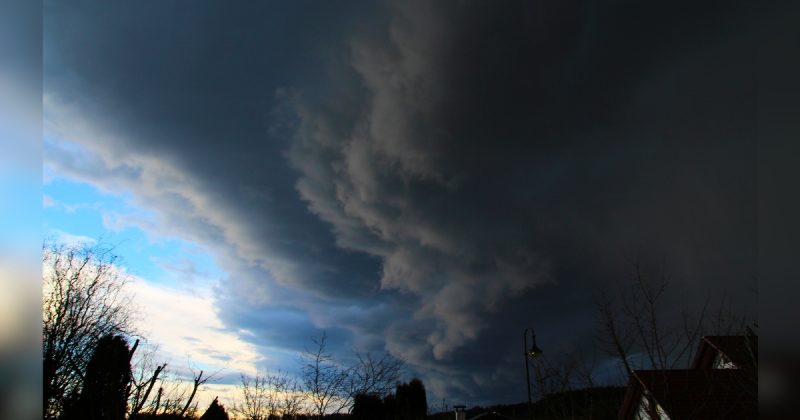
(534, 351)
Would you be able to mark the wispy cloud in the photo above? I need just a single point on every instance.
(187, 325)
(69, 239)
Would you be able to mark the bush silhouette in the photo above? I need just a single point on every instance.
(367, 407)
(410, 402)
(105, 386)
(215, 411)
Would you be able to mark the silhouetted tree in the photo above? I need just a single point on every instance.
(83, 300)
(215, 411)
(418, 400)
(331, 386)
(104, 393)
(376, 375)
(198, 380)
(161, 416)
(390, 411)
(323, 380)
(172, 395)
(292, 396)
(402, 402)
(256, 397)
(367, 407)
(637, 320)
(411, 403)
(271, 394)
(371, 375)
(141, 388)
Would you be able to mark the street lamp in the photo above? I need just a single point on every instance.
(530, 352)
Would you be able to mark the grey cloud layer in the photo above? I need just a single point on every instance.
(431, 182)
(483, 158)
(481, 146)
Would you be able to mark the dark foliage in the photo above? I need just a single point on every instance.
(411, 402)
(389, 406)
(367, 407)
(160, 416)
(215, 411)
(83, 301)
(596, 403)
(104, 393)
(600, 402)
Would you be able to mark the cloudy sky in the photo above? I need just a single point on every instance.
(422, 178)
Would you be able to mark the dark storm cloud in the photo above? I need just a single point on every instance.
(182, 90)
(493, 151)
(173, 104)
(470, 169)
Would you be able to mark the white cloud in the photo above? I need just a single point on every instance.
(69, 239)
(185, 325)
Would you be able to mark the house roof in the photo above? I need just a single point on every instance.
(694, 393)
(741, 350)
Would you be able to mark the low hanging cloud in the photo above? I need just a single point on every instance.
(481, 140)
(430, 182)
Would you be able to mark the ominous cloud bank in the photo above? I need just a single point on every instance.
(431, 182)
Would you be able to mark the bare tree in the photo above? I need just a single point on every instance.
(376, 376)
(171, 396)
(585, 368)
(292, 398)
(555, 375)
(270, 394)
(370, 376)
(83, 300)
(255, 398)
(636, 321)
(197, 382)
(323, 380)
(332, 386)
(563, 371)
(141, 388)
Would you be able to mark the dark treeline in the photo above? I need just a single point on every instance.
(407, 403)
(88, 353)
(587, 403)
(106, 388)
(92, 369)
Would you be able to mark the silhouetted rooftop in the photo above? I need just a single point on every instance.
(741, 350)
(694, 393)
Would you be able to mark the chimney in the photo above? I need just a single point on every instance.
(461, 412)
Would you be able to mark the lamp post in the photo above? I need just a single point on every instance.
(530, 352)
